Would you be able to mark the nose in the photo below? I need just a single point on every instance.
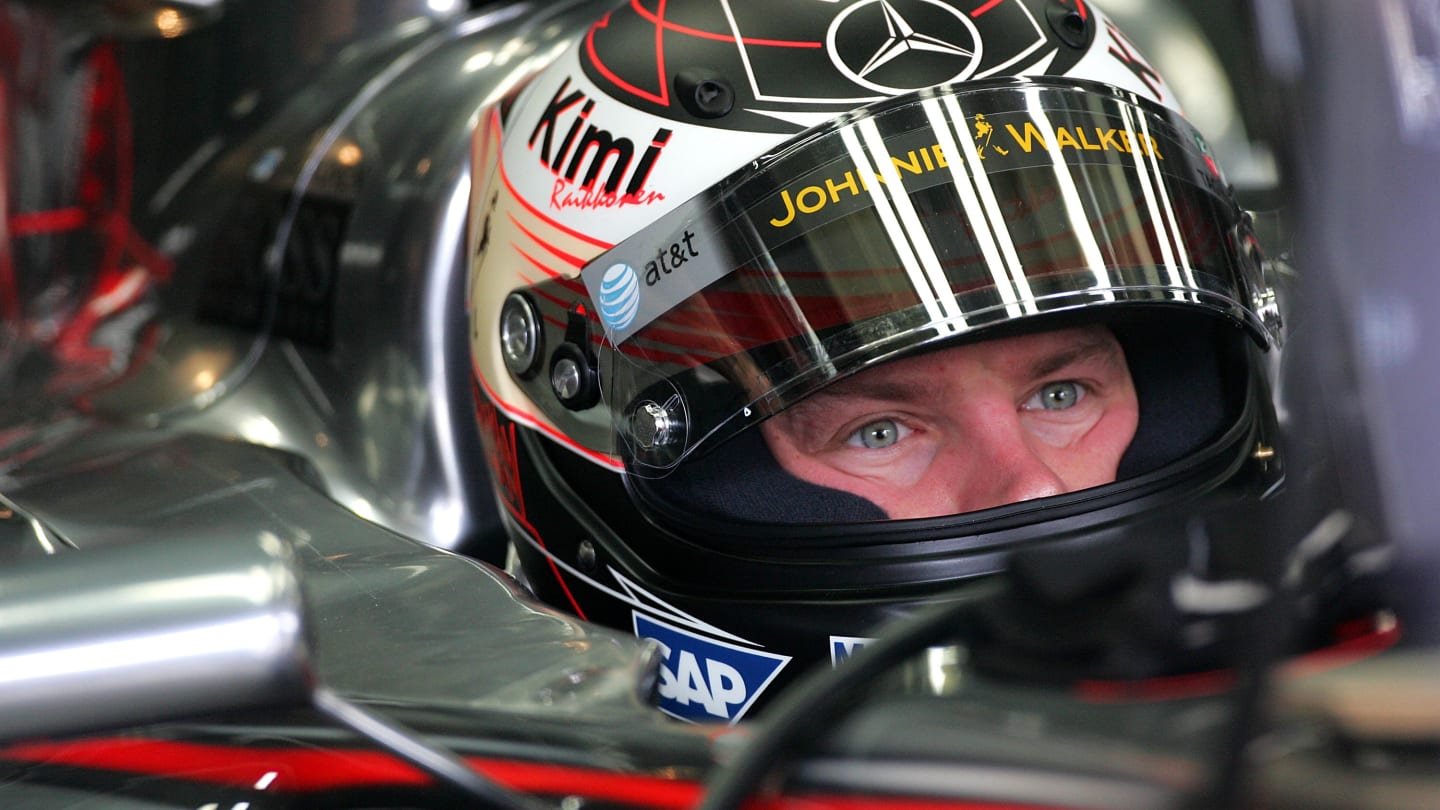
(1028, 479)
(1004, 466)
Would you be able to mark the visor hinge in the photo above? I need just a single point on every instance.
(653, 425)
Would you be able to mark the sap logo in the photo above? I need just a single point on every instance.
(703, 679)
(842, 647)
(592, 151)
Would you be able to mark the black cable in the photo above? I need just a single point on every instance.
(409, 746)
(819, 701)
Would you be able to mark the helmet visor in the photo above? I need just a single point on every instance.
(925, 218)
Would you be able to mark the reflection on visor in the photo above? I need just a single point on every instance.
(909, 222)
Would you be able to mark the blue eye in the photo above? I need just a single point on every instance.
(878, 434)
(1057, 396)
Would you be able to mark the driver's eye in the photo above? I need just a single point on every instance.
(877, 434)
(1056, 396)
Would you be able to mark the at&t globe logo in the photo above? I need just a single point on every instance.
(619, 296)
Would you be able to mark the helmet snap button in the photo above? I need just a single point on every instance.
(519, 335)
(573, 378)
(565, 378)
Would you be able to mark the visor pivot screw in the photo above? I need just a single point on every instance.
(519, 335)
(652, 426)
(704, 93)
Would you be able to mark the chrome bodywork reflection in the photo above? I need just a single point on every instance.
(303, 373)
(317, 295)
(149, 632)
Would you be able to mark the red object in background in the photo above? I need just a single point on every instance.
(98, 266)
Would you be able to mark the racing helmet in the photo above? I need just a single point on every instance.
(703, 212)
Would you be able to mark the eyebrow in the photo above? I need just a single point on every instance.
(879, 389)
(801, 422)
(1051, 363)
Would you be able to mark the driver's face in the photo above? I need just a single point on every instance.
(969, 427)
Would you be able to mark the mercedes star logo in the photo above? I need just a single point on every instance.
(892, 63)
